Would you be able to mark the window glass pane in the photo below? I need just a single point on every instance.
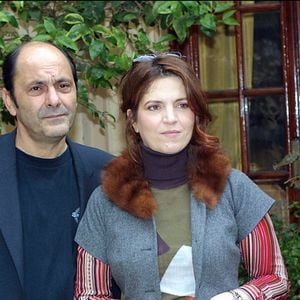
(217, 60)
(267, 132)
(225, 125)
(262, 49)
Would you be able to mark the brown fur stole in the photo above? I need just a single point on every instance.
(124, 184)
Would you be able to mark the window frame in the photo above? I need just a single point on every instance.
(290, 36)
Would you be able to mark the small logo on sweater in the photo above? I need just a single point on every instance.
(76, 214)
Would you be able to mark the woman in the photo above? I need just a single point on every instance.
(172, 219)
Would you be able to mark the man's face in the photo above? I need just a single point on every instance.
(45, 92)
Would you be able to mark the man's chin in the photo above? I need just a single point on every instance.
(58, 131)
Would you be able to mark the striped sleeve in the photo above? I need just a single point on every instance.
(93, 278)
(263, 260)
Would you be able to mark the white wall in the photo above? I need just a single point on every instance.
(88, 132)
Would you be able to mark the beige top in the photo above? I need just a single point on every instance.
(173, 224)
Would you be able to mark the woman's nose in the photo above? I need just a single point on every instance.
(170, 115)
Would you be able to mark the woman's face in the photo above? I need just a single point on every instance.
(164, 119)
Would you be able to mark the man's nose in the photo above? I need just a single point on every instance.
(53, 98)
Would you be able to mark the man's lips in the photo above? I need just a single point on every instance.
(54, 116)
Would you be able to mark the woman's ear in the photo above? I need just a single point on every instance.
(129, 115)
(8, 102)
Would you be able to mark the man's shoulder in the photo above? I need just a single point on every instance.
(7, 141)
(7, 151)
(7, 136)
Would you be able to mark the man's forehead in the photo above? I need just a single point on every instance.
(37, 47)
(48, 69)
(44, 55)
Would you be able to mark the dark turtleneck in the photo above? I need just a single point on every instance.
(164, 171)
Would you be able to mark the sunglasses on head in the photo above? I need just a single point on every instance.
(151, 57)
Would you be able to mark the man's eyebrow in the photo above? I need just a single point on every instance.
(42, 82)
(37, 82)
(63, 80)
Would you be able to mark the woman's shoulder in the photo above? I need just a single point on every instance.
(98, 198)
(242, 186)
(236, 175)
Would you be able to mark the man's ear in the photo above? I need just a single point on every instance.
(8, 102)
(129, 115)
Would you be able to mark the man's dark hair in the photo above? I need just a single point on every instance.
(9, 67)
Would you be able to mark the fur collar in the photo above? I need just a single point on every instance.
(124, 184)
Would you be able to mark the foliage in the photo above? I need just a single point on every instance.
(289, 241)
(292, 158)
(289, 235)
(104, 36)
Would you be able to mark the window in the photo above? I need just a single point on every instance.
(251, 76)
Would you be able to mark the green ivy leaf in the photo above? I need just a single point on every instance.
(142, 39)
(101, 29)
(11, 45)
(95, 73)
(230, 21)
(165, 7)
(209, 22)
(96, 48)
(164, 21)
(49, 26)
(42, 37)
(2, 45)
(126, 17)
(83, 94)
(222, 6)
(161, 47)
(149, 15)
(73, 19)
(18, 4)
(167, 38)
(4, 17)
(208, 32)
(35, 14)
(123, 62)
(108, 74)
(204, 9)
(192, 8)
(120, 37)
(8, 17)
(66, 41)
(78, 31)
(181, 26)
(228, 14)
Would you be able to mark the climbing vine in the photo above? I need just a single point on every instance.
(104, 36)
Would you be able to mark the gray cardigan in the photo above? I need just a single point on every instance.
(128, 244)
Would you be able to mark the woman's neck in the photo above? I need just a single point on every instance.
(164, 171)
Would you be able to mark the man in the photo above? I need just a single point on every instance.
(45, 178)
